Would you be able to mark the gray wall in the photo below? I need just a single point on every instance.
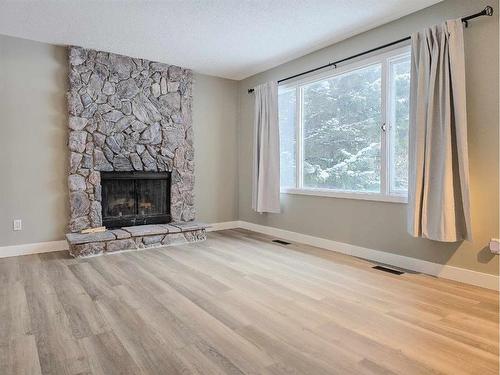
(33, 137)
(215, 103)
(381, 225)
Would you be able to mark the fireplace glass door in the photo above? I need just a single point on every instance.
(135, 198)
(149, 201)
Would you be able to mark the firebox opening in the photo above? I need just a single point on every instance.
(135, 198)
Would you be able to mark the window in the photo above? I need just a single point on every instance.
(345, 133)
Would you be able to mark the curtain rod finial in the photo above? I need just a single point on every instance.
(488, 10)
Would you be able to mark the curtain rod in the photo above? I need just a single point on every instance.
(487, 11)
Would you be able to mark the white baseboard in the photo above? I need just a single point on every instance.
(222, 226)
(444, 271)
(32, 248)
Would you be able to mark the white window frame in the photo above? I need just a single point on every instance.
(386, 169)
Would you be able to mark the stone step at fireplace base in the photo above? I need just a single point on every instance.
(134, 238)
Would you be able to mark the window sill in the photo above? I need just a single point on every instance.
(347, 195)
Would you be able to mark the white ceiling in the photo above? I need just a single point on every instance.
(226, 38)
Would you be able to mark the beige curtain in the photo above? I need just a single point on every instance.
(438, 203)
(266, 150)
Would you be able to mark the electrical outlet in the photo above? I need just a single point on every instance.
(495, 246)
(18, 224)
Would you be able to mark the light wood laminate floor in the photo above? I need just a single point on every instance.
(238, 304)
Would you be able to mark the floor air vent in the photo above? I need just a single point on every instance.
(281, 242)
(390, 270)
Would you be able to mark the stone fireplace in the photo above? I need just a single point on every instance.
(130, 132)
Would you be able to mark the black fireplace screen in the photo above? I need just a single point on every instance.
(135, 198)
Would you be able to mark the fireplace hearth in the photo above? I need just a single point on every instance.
(135, 198)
